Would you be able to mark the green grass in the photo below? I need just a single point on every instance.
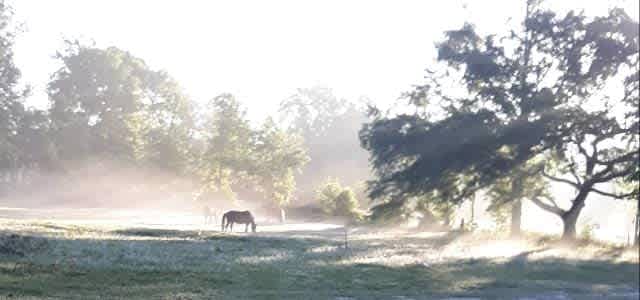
(142, 263)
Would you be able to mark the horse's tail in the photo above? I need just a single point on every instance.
(224, 217)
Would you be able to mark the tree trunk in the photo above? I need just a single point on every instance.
(636, 237)
(516, 218)
(447, 220)
(473, 208)
(283, 217)
(516, 207)
(570, 218)
(428, 221)
(569, 231)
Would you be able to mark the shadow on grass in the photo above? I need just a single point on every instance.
(157, 233)
(219, 266)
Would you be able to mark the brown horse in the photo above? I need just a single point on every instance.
(241, 217)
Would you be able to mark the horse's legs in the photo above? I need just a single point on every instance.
(231, 227)
(246, 227)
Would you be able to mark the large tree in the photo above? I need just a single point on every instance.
(496, 102)
(96, 99)
(107, 103)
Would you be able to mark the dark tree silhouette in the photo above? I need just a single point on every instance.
(524, 94)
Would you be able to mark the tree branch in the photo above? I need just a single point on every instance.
(550, 208)
(569, 182)
(626, 171)
(574, 172)
(624, 158)
(613, 195)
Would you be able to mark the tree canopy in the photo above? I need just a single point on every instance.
(515, 96)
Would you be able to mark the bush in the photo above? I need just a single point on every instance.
(588, 231)
(338, 201)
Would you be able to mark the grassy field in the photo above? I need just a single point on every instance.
(91, 261)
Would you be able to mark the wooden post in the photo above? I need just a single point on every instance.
(346, 238)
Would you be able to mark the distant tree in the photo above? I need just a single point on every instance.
(524, 92)
(24, 142)
(311, 111)
(277, 157)
(109, 103)
(329, 127)
(11, 107)
(226, 157)
(170, 122)
(96, 103)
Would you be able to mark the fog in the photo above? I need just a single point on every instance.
(355, 54)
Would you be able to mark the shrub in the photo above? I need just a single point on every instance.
(338, 201)
(588, 231)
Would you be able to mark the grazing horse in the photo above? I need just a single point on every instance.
(241, 217)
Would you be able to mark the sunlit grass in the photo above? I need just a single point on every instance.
(301, 261)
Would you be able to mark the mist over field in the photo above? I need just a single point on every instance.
(319, 150)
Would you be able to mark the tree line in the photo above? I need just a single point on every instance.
(107, 105)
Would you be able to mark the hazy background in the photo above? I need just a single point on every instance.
(263, 51)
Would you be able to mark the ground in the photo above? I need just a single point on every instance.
(88, 259)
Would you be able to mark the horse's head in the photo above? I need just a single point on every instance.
(253, 227)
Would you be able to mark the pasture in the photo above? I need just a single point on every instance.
(82, 259)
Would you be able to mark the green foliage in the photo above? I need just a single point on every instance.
(24, 140)
(107, 103)
(278, 156)
(337, 200)
(226, 157)
(236, 156)
(11, 108)
(500, 216)
(588, 231)
(94, 97)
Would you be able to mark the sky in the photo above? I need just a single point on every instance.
(262, 51)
